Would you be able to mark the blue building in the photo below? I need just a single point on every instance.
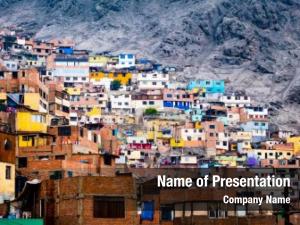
(196, 114)
(257, 128)
(183, 105)
(210, 86)
(66, 50)
(126, 60)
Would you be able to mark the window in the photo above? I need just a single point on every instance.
(64, 131)
(56, 175)
(15, 75)
(25, 138)
(59, 157)
(8, 172)
(22, 162)
(107, 159)
(151, 103)
(216, 210)
(212, 126)
(169, 95)
(70, 173)
(7, 144)
(144, 102)
(147, 210)
(95, 138)
(167, 212)
(45, 157)
(154, 83)
(109, 207)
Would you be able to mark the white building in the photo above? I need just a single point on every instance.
(73, 119)
(126, 61)
(105, 81)
(136, 140)
(192, 134)
(188, 160)
(148, 99)
(121, 102)
(71, 70)
(10, 65)
(152, 81)
(233, 118)
(147, 103)
(235, 100)
(273, 154)
(257, 113)
(223, 141)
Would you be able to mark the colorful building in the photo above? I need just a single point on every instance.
(179, 99)
(126, 61)
(123, 77)
(7, 181)
(209, 86)
(296, 142)
(98, 60)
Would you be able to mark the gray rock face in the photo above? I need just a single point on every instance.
(253, 44)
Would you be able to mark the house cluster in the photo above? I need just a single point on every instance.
(69, 119)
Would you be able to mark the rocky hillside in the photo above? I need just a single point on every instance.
(253, 44)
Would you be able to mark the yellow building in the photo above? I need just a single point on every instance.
(124, 78)
(95, 112)
(98, 60)
(155, 128)
(73, 91)
(32, 140)
(296, 142)
(32, 100)
(177, 143)
(7, 181)
(198, 125)
(231, 161)
(3, 97)
(31, 121)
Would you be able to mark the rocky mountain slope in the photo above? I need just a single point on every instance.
(253, 44)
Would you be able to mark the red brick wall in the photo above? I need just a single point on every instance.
(73, 199)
